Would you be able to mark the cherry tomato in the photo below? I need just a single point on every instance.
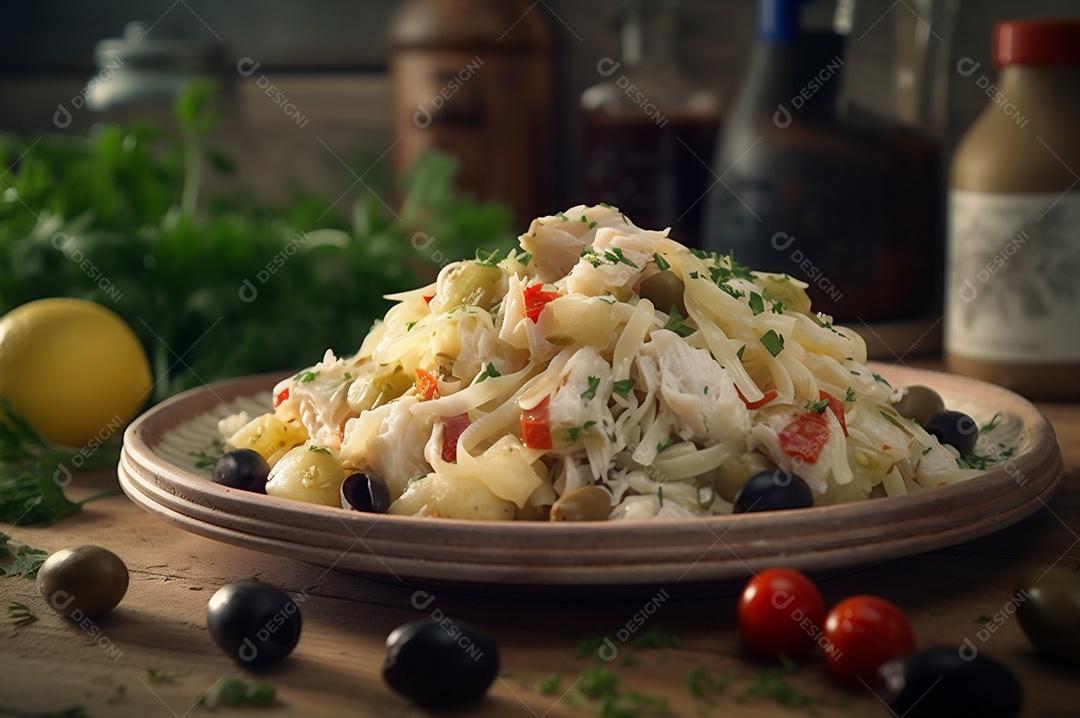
(863, 632)
(781, 611)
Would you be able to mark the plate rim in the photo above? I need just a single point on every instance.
(198, 505)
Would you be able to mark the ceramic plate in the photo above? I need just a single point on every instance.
(159, 471)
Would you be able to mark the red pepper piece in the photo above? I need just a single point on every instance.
(536, 299)
(536, 426)
(453, 428)
(805, 437)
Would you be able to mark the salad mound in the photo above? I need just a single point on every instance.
(599, 371)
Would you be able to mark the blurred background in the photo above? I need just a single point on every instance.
(331, 59)
(816, 144)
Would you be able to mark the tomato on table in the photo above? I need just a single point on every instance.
(780, 611)
(863, 632)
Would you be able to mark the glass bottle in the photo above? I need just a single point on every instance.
(649, 131)
(1013, 290)
(852, 206)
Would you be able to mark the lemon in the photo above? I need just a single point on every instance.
(73, 369)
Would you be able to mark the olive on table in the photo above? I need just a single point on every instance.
(954, 428)
(440, 664)
(665, 290)
(919, 403)
(585, 503)
(730, 476)
(364, 492)
(772, 491)
(243, 469)
(940, 682)
(83, 581)
(1050, 611)
(254, 624)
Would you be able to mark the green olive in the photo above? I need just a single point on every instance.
(1048, 606)
(919, 403)
(665, 290)
(730, 476)
(83, 581)
(587, 503)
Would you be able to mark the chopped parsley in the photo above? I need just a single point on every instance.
(660, 495)
(605, 205)
(661, 263)
(409, 326)
(524, 258)
(317, 449)
(574, 431)
(878, 377)
(584, 219)
(155, 676)
(234, 692)
(927, 450)
(849, 395)
(486, 258)
(893, 420)
(994, 422)
(27, 559)
(773, 342)
(592, 646)
(701, 684)
(607, 298)
(206, 458)
(676, 323)
(655, 638)
(592, 224)
(740, 352)
(549, 685)
(305, 376)
(622, 387)
(590, 393)
(563, 217)
(664, 445)
(819, 406)
(602, 689)
(777, 306)
(489, 373)
(616, 256)
(631, 660)
(20, 615)
(772, 684)
(757, 305)
(348, 376)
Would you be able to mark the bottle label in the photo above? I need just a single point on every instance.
(1013, 287)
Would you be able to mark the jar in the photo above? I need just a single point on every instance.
(1013, 290)
(475, 78)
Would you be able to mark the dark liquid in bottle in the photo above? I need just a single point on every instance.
(654, 169)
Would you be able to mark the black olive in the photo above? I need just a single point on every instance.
(254, 624)
(772, 491)
(954, 428)
(83, 581)
(243, 469)
(363, 492)
(440, 664)
(943, 683)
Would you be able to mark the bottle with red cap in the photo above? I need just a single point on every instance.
(1013, 287)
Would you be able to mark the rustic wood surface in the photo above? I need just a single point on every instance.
(54, 664)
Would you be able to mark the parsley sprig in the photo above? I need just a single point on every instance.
(34, 470)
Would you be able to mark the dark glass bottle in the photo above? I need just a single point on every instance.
(650, 132)
(852, 208)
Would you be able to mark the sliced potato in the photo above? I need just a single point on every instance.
(459, 497)
(269, 436)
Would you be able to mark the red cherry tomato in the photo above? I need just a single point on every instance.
(863, 632)
(781, 611)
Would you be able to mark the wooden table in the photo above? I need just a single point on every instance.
(53, 664)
